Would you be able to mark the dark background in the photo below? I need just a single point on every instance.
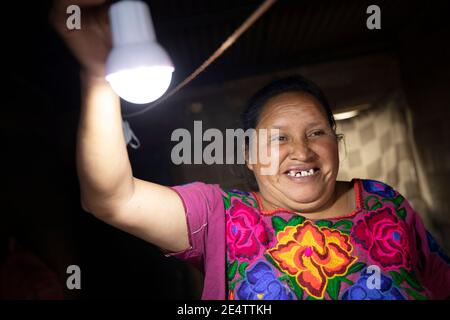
(40, 105)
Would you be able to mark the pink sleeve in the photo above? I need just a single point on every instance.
(200, 201)
(431, 261)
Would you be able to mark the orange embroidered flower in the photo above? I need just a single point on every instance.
(312, 255)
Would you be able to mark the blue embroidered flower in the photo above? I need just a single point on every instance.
(360, 290)
(262, 284)
(378, 188)
(435, 248)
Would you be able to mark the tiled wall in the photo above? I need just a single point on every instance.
(377, 146)
(425, 73)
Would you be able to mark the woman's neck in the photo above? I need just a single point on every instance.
(341, 203)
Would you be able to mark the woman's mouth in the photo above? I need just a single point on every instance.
(302, 174)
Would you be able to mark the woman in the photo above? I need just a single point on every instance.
(300, 235)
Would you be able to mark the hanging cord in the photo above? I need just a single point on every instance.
(225, 45)
(129, 136)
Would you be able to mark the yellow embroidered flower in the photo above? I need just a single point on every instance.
(312, 255)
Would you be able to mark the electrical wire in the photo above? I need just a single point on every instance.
(225, 45)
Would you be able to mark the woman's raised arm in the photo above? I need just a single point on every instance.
(109, 191)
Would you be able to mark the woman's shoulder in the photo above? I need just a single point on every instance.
(376, 187)
(371, 193)
(199, 186)
(376, 196)
(199, 193)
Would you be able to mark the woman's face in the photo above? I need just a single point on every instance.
(308, 158)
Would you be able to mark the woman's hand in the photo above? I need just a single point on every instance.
(90, 44)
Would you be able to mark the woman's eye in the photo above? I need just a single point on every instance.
(317, 133)
(279, 138)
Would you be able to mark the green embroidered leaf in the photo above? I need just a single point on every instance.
(346, 224)
(242, 268)
(248, 200)
(401, 213)
(398, 278)
(411, 279)
(333, 287)
(295, 287)
(356, 267)
(254, 202)
(376, 206)
(296, 220)
(366, 201)
(278, 223)
(226, 201)
(349, 282)
(245, 200)
(231, 272)
(324, 223)
(398, 200)
(283, 278)
(270, 259)
(312, 298)
(415, 294)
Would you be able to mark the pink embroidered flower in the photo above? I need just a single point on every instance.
(385, 237)
(246, 231)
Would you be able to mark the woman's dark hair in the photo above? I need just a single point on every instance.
(296, 83)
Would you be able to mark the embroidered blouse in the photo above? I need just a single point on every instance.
(380, 251)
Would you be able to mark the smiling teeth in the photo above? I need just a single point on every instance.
(303, 173)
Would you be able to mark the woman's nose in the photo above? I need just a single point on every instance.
(300, 150)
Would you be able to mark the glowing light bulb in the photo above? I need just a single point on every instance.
(138, 68)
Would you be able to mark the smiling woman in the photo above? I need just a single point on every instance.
(301, 234)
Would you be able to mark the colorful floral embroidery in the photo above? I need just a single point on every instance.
(262, 284)
(286, 256)
(246, 231)
(361, 290)
(312, 255)
(232, 195)
(378, 188)
(385, 237)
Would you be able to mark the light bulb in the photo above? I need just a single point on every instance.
(138, 69)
